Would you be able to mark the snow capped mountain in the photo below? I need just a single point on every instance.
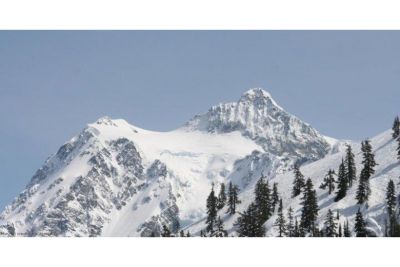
(257, 116)
(115, 179)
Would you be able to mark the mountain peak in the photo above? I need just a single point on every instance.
(258, 97)
(256, 93)
(257, 116)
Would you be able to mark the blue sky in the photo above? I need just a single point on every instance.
(345, 83)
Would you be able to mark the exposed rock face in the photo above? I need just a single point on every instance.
(259, 117)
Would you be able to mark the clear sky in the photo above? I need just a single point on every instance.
(345, 84)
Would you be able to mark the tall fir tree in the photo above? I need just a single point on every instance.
(360, 225)
(310, 208)
(346, 229)
(390, 198)
(350, 164)
(329, 181)
(330, 225)
(298, 182)
(275, 196)
(263, 199)
(280, 220)
(364, 190)
(342, 182)
(396, 127)
(290, 227)
(188, 234)
(211, 212)
(233, 198)
(221, 197)
(391, 207)
(248, 223)
(340, 233)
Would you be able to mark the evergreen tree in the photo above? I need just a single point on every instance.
(396, 127)
(211, 212)
(298, 231)
(329, 182)
(360, 225)
(367, 171)
(398, 147)
(165, 231)
(220, 230)
(233, 198)
(181, 234)
(298, 182)
(248, 224)
(188, 234)
(280, 221)
(350, 164)
(290, 227)
(330, 225)
(221, 197)
(340, 234)
(310, 208)
(390, 199)
(342, 182)
(337, 215)
(346, 230)
(275, 196)
(263, 199)
(391, 206)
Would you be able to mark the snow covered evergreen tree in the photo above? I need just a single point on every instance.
(221, 197)
(248, 224)
(350, 164)
(310, 208)
(396, 127)
(220, 230)
(329, 181)
(233, 198)
(330, 225)
(280, 220)
(342, 182)
(211, 212)
(367, 171)
(390, 198)
(298, 182)
(360, 225)
(263, 199)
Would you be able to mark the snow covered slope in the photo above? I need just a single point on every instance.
(115, 179)
(374, 213)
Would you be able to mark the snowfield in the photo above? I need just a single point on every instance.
(115, 179)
